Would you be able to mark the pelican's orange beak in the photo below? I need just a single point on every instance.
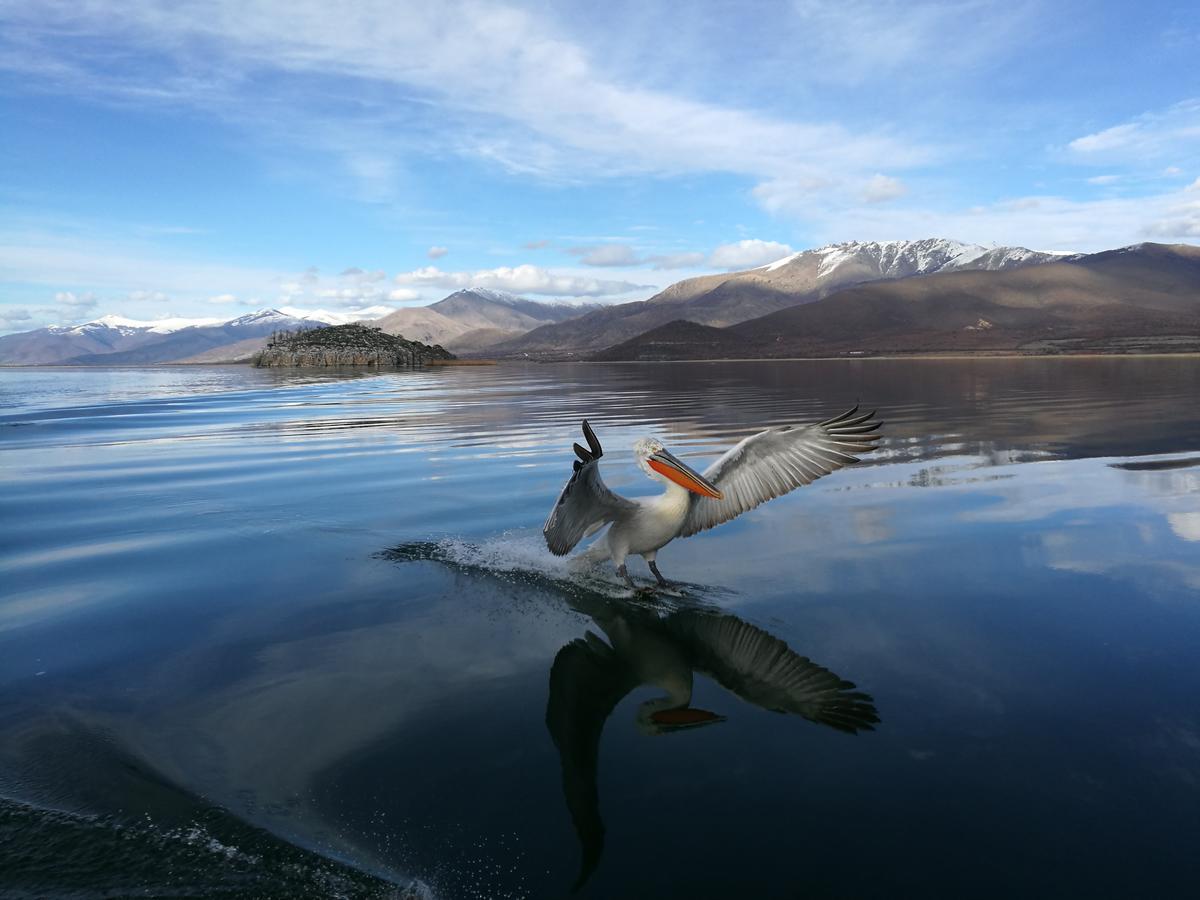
(666, 464)
(684, 718)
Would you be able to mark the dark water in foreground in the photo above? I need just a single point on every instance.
(296, 636)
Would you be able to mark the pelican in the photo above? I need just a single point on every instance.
(590, 677)
(759, 468)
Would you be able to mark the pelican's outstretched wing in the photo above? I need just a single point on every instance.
(776, 461)
(587, 681)
(763, 670)
(585, 504)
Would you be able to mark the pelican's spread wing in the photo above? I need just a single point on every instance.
(587, 681)
(776, 461)
(585, 504)
(763, 670)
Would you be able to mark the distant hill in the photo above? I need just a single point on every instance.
(110, 334)
(471, 319)
(1144, 297)
(198, 339)
(804, 277)
(476, 318)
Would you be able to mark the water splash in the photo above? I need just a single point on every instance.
(521, 558)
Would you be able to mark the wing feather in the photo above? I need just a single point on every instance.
(779, 460)
(763, 670)
(585, 504)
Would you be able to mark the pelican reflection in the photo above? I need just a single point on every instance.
(649, 644)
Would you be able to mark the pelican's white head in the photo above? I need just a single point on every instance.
(660, 464)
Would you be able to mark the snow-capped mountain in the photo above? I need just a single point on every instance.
(330, 317)
(903, 259)
(125, 326)
(729, 298)
(116, 340)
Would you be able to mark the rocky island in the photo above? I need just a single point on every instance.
(347, 345)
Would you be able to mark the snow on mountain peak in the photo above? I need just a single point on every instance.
(157, 326)
(329, 317)
(491, 294)
(780, 263)
(900, 258)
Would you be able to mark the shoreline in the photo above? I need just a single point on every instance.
(625, 362)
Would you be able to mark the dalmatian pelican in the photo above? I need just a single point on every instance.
(759, 468)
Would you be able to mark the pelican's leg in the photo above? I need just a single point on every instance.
(624, 573)
(650, 561)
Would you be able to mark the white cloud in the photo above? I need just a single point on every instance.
(524, 279)
(359, 276)
(1104, 179)
(747, 254)
(223, 298)
(882, 188)
(437, 252)
(76, 303)
(403, 295)
(1172, 132)
(497, 82)
(1044, 222)
(15, 317)
(148, 297)
(677, 261)
(1194, 186)
(852, 41)
(606, 255)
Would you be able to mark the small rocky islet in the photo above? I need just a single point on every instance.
(347, 345)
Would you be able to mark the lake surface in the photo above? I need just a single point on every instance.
(296, 635)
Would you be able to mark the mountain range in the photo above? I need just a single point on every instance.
(931, 295)
(112, 340)
(467, 319)
(727, 299)
(1140, 298)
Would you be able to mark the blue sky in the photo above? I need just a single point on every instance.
(202, 159)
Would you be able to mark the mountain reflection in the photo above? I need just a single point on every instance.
(652, 644)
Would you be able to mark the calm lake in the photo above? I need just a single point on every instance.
(295, 635)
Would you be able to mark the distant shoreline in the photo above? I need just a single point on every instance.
(469, 363)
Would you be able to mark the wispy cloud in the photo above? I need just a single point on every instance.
(1045, 222)
(672, 261)
(856, 40)
(523, 279)
(497, 82)
(76, 303)
(606, 255)
(747, 254)
(1172, 133)
(881, 189)
(16, 318)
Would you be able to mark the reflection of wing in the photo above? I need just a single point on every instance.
(776, 461)
(763, 670)
(585, 504)
(587, 681)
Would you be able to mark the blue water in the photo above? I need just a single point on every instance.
(296, 634)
